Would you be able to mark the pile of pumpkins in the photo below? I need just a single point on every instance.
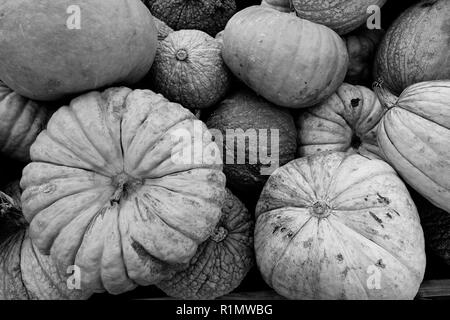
(93, 94)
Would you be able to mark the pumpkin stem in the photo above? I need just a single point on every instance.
(387, 99)
(320, 209)
(181, 55)
(219, 234)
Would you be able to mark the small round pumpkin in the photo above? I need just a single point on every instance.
(347, 121)
(114, 189)
(163, 29)
(339, 226)
(50, 49)
(209, 16)
(222, 261)
(25, 273)
(361, 46)
(257, 137)
(415, 47)
(280, 5)
(289, 61)
(189, 70)
(414, 137)
(342, 16)
(21, 120)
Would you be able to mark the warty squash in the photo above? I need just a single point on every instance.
(289, 61)
(339, 226)
(114, 189)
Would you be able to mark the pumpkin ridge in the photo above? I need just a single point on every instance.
(15, 119)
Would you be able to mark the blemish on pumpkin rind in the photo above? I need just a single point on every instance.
(380, 264)
(48, 188)
(376, 218)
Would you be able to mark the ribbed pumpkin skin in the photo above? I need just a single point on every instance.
(342, 16)
(21, 120)
(209, 16)
(361, 46)
(326, 223)
(189, 70)
(414, 137)
(163, 29)
(45, 60)
(222, 261)
(280, 5)
(104, 192)
(347, 121)
(289, 61)
(244, 110)
(415, 48)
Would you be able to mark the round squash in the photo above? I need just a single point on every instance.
(256, 138)
(222, 261)
(189, 70)
(347, 121)
(209, 16)
(414, 137)
(21, 120)
(50, 49)
(342, 16)
(415, 48)
(114, 189)
(339, 226)
(25, 273)
(289, 61)
(361, 46)
(163, 29)
(280, 5)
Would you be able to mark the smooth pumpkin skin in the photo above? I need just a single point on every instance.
(289, 61)
(222, 261)
(415, 47)
(362, 46)
(209, 16)
(343, 16)
(21, 120)
(327, 222)
(414, 137)
(189, 70)
(280, 5)
(45, 60)
(106, 193)
(244, 110)
(347, 121)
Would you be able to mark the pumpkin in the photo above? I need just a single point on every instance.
(280, 5)
(51, 49)
(415, 47)
(436, 227)
(222, 261)
(361, 47)
(21, 120)
(414, 137)
(342, 16)
(25, 273)
(114, 189)
(339, 226)
(255, 137)
(189, 70)
(347, 121)
(209, 16)
(163, 29)
(289, 61)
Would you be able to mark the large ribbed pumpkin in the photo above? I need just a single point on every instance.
(114, 190)
(414, 137)
(222, 261)
(189, 70)
(342, 16)
(339, 226)
(289, 61)
(21, 120)
(50, 49)
(416, 47)
(347, 121)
